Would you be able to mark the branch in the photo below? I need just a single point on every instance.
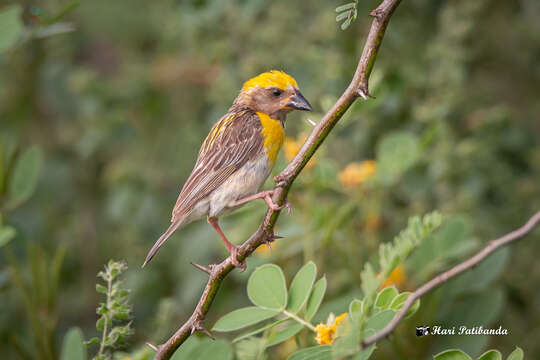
(265, 233)
(468, 264)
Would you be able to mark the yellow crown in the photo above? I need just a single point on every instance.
(271, 78)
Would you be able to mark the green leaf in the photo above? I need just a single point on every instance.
(396, 153)
(517, 354)
(356, 307)
(345, 7)
(413, 309)
(365, 354)
(398, 301)
(379, 320)
(284, 334)
(315, 298)
(259, 329)
(242, 318)
(266, 287)
(25, 176)
(313, 353)
(11, 26)
(346, 24)
(7, 233)
(101, 289)
(250, 349)
(452, 354)
(301, 287)
(73, 345)
(100, 323)
(454, 239)
(92, 341)
(491, 355)
(189, 346)
(205, 349)
(385, 297)
(342, 16)
(370, 283)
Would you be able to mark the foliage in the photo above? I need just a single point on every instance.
(19, 174)
(292, 310)
(454, 354)
(347, 12)
(114, 311)
(37, 284)
(14, 33)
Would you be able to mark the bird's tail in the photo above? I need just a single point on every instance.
(174, 226)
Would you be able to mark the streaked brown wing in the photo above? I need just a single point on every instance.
(232, 141)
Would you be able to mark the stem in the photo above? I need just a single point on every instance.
(300, 320)
(107, 304)
(437, 281)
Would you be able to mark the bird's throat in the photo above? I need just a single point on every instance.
(273, 135)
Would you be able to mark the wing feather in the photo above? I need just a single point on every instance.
(232, 141)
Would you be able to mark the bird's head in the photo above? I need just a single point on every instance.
(274, 93)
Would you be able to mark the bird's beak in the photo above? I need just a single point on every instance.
(298, 102)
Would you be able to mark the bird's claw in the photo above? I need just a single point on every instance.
(272, 205)
(234, 260)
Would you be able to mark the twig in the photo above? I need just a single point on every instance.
(298, 319)
(265, 233)
(468, 264)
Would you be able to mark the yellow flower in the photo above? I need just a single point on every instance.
(292, 146)
(326, 334)
(373, 222)
(397, 277)
(356, 173)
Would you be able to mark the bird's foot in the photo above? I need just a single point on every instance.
(234, 253)
(272, 205)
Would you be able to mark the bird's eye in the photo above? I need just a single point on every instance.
(276, 92)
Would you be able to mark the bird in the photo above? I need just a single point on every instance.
(237, 156)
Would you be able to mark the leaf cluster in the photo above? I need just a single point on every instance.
(290, 309)
(114, 311)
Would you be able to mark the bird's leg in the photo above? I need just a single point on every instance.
(233, 250)
(266, 195)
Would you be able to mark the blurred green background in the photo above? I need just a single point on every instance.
(117, 103)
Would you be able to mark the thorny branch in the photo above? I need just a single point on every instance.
(265, 234)
(440, 279)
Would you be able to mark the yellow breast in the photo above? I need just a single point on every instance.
(273, 135)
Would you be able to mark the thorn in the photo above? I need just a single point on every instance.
(377, 13)
(152, 346)
(362, 94)
(313, 123)
(268, 244)
(202, 268)
(198, 326)
(207, 333)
